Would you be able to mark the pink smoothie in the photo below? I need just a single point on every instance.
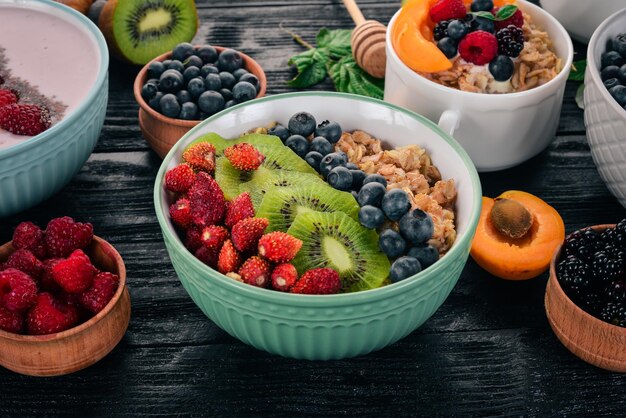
(48, 57)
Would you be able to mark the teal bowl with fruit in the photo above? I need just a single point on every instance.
(53, 96)
(285, 254)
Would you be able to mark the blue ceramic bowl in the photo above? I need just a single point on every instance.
(36, 168)
(327, 326)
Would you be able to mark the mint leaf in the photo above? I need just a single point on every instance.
(578, 70)
(336, 41)
(311, 67)
(485, 15)
(350, 78)
(505, 12)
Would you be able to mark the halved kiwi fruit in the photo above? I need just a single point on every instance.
(282, 205)
(333, 239)
(263, 184)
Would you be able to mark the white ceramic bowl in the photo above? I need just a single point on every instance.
(498, 131)
(605, 120)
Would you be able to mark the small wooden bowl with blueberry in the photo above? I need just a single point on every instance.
(586, 295)
(178, 89)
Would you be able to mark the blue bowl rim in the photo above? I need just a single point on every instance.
(342, 299)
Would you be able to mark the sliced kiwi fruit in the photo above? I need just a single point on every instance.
(335, 240)
(221, 144)
(261, 185)
(282, 205)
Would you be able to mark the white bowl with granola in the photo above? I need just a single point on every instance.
(500, 124)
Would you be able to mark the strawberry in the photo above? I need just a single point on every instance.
(279, 247)
(516, 19)
(208, 205)
(179, 179)
(207, 256)
(50, 315)
(255, 271)
(11, 321)
(180, 212)
(284, 277)
(75, 273)
(193, 239)
(320, 281)
(200, 156)
(18, 291)
(7, 97)
(24, 119)
(25, 261)
(244, 156)
(447, 9)
(100, 293)
(239, 208)
(29, 236)
(478, 47)
(213, 237)
(229, 258)
(64, 235)
(246, 233)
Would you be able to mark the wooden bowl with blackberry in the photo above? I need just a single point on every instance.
(64, 304)
(586, 295)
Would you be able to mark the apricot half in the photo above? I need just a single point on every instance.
(517, 258)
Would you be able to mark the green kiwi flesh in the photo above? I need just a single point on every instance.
(266, 183)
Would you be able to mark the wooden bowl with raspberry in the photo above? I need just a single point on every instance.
(71, 336)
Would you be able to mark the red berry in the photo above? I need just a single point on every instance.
(279, 247)
(256, 271)
(46, 282)
(516, 19)
(239, 208)
(29, 236)
(64, 235)
(284, 277)
(193, 239)
(320, 281)
(24, 119)
(75, 273)
(208, 205)
(246, 233)
(200, 156)
(180, 178)
(478, 47)
(25, 261)
(207, 256)
(18, 290)
(180, 212)
(7, 97)
(447, 9)
(229, 258)
(50, 315)
(244, 156)
(103, 288)
(213, 237)
(11, 321)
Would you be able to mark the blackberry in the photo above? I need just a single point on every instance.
(572, 243)
(575, 286)
(510, 41)
(606, 269)
(616, 292)
(572, 266)
(441, 30)
(621, 227)
(614, 313)
(592, 302)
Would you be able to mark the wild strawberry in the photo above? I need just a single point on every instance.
(239, 208)
(25, 261)
(447, 9)
(284, 277)
(75, 273)
(7, 97)
(213, 237)
(11, 321)
(256, 271)
(200, 156)
(193, 239)
(102, 289)
(320, 281)
(516, 19)
(64, 235)
(244, 156)
(246, 233)
(279, 247)
(18, 290)
(207, 256)
(24, 119)
(229, 258)
(478, 47)
(180, 212)
(29, 236)
(179, 179)
(49, 315)
(208, 205)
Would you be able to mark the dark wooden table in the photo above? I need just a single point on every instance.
(487, 351)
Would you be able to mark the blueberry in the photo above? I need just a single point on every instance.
(193, 61)
(166, 63)
(618, 44)
(357, 179)
(207, 54)
(190, 73)
(171, 81)
(155, 102)
(148, 91)
(330, 161)
(155, 69)
(622, 73)
(195, 87)
(403, 268)
(377, 178)
(329, 130)
(280, 131)
(480, 23)
(611, 82)
(501, 68)
(208, 69)
(426, 254)
(340, 178)
(611, 58)
(619, 94)
(448, 46)
(212, 82)
(371, 194)
(302, 123)
(243, 91)
(229, 60)
(416, 226)
(239, 72)
(210, 102)
(612, 71)
(371, 217)
(321, 145)
(250, 78)
(229, 103)
(354, 194)
(182, 51)
(183, 96)
(170, 106)
(227, 94)
(227, 79)
(352, 166)
(391, 243)
(314, 158)
(298, 144)
(176, 65)
(395, 204)
(154, 81)
(457, 29)
(482, 6)
(188, 111)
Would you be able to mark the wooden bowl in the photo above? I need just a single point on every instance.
(162, 132)
(79, 347)
(591, 339)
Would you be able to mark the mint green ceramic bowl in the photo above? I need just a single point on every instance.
(331, 326)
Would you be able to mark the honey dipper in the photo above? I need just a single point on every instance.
(368, 42)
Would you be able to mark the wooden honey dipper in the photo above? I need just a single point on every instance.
(368, 42)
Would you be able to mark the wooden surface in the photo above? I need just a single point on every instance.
(487, 351)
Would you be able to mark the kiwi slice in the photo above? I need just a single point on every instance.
(221, 144)
(335, 240)
(261, 185)
(282, 205)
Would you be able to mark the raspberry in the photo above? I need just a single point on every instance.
(29, 236)
(244, 156)
(510, 41)
(179, 179)
(517, 19)
(284, 277)
(255, 271)
(49, 315)
(103, 288)
(200, 156)
(74, 274)
(193, 239)
(23, 119)
(64, 235)
(25, 261)
(207, 201)
(213, 237)
(17, 290)
(446, 10)
(11, 321)
(246, 233)
(320, 281)
(229, 258)
(279, 247)
(478, 47)
(180, 212)
(46, 282)
(239, 208)
(7, 97)
(207, 256)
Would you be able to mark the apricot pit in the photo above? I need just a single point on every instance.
(510, 218)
